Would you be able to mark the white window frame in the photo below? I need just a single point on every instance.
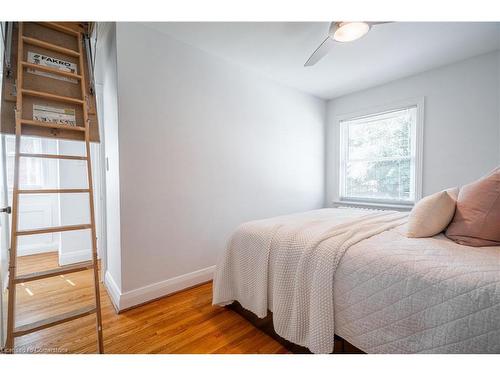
(417, 138)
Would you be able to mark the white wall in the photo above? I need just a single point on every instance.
(75, 246)
(107, 85)
(461, 124)
(204, 145)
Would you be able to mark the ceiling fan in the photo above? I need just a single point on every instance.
(342, 32)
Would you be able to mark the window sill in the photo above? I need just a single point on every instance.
(376, 206)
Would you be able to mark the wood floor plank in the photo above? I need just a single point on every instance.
(185, 322)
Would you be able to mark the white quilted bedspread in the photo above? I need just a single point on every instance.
(395, 294)
(376, 288)
(305, 250)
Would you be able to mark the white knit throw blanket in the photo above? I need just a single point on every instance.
(306, 250)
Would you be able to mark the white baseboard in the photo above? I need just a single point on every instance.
(24, 250)
(113, 290)
(75, 257)
(150, 292)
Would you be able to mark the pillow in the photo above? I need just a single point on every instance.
(432, 214)
(477, 217)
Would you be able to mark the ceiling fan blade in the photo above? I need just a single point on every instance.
(320, 52)
(378, 23)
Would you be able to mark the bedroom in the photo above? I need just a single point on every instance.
(217, 149)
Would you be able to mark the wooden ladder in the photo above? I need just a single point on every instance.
(20, 123)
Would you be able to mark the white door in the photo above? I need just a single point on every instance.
(4, 220)
(39, 210)
(4, 241)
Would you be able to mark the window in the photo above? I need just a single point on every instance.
(378, 157)
(31, 169)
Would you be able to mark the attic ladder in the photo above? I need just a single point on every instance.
(14, 331)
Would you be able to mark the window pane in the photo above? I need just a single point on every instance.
(378, 155)
(381, 136)
(30, 169)
(388, 180)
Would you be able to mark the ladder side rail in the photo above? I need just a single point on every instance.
(15, 198)
(86, 120)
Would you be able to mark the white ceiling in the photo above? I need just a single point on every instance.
(390, 51)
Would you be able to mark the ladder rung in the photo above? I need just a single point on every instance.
(52, 47)
(51, 70)
(64, 228)
(52, 156)
(54, 320)
(55, 26)
(46, 124)
(46, 95)
(77, 267)
(53, 191)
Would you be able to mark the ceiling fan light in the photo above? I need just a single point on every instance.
(350, 31)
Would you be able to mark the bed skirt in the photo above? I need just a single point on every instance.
(341, 346)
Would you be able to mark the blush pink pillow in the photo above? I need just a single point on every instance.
(477, 216)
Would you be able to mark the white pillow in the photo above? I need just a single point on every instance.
(432, 214)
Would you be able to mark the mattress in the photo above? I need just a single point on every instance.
(394, 294)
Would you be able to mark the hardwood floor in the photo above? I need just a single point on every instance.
(185, 322)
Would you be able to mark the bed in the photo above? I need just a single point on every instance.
(353, 273)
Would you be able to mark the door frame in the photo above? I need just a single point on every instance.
(99, 171)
